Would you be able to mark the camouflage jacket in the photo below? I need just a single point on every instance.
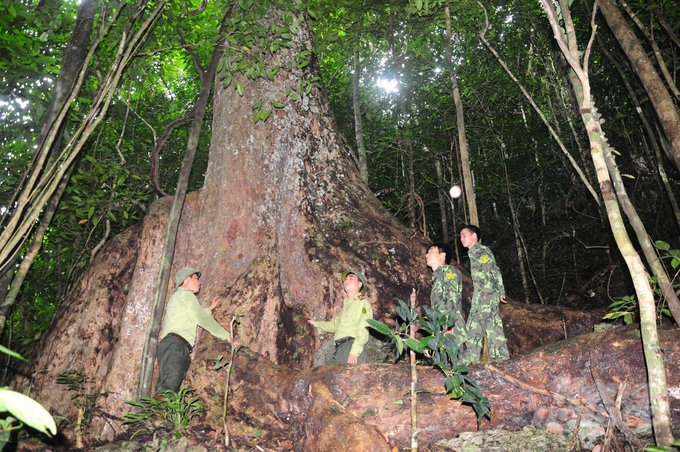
(486, 276)
(446, 295)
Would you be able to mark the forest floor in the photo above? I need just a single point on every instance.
(202, 438)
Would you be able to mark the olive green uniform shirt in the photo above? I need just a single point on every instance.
(351, 321)
(184, 314)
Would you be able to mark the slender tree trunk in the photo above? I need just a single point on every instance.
(656, 90)
(74, 59)
(657, 53)
(554, 134)
(411, 186)
(32, 250)
(356, 103)
(414, 381)
(468, 185)
(515, 227)
(643, 238)
(566, 39)
(39, 187)
(442, 200)
(648, 129)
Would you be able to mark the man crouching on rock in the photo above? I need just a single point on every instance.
(350, 326)
(178, 335)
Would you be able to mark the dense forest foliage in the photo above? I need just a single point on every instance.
(387, 60)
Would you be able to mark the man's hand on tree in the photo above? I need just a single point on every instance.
(215, 301)
(503, 300)
(352, 359)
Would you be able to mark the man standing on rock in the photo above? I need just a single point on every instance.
(178, 335)
(350, 326)
(484, 315)
(447, 289)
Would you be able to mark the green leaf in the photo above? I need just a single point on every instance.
(278, 104)
(227, 80)
(400, 345)
(9, 352)
(380, 327)
(414, 345)
(27, 411)
(239, 89)
(661, 245)
(257, 106)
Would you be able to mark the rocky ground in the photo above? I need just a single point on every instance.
(199, 438)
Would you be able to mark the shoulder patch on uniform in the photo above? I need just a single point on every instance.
(450, 275)
(363, 311)
(484, 259)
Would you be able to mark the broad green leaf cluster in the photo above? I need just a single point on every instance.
(440, 349)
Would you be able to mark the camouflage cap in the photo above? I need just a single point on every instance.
(183, 274)
(359, 275)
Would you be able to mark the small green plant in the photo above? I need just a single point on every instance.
(75, 381)
(344, 226)
(669, 254)
(624, 307)
(23, 411)
(441, 349)
(174, 409)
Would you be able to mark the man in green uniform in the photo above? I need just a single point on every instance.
(484, 315)
(178, 335)
(350, 326)
(447, 288)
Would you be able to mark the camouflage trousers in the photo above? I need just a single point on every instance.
(485, 319)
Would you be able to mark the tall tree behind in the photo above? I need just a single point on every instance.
(74, 59)
(566, 39)
(656, 90)
(460, 120)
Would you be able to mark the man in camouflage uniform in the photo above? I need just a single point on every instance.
(447, 288)
(484, 315)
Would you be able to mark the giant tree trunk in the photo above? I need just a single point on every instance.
(282, 213)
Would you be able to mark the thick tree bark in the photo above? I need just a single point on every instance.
(356, 105)
(656, 90)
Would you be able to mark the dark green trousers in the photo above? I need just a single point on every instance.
(341, 353)
(173, 362)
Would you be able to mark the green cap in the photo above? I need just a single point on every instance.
(359, 275)
(183, 274)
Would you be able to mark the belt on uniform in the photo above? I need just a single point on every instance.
(186, 342)
(339, 342)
